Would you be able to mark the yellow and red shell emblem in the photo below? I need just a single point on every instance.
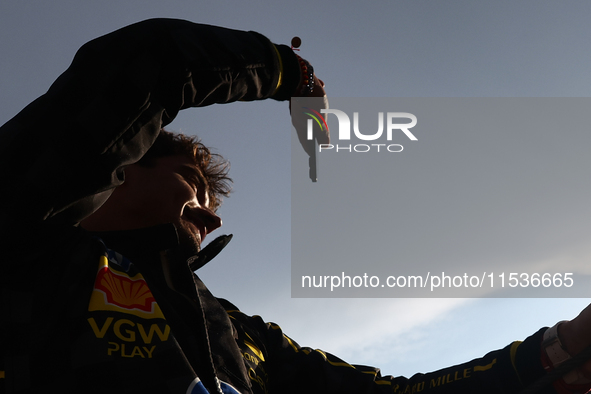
(117, 291)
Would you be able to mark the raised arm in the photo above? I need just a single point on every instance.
(62, 155)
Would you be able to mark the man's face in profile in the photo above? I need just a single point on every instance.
(172, 190)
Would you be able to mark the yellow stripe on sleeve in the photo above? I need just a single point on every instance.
(290, 342)
(255, 350)
(514, 347)
(480, 368)
(280, 79)
(384, 382)
(343, 364)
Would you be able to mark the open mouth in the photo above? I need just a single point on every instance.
(196, 226)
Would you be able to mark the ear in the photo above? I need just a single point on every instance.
(134, 174)
(130, 174)
(108, 216)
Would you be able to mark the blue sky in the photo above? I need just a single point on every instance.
(379, 49)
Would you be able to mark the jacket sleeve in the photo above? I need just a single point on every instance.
(62, 155)
(284, 366)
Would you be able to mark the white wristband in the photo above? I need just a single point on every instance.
(553, 347)
(557, 355)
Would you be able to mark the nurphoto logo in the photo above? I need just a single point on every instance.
(392, 120)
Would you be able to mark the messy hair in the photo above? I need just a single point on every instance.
(212, 167)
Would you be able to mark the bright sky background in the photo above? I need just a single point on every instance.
(412, 48)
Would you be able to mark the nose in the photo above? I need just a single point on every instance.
(204, 219)
(211, 220)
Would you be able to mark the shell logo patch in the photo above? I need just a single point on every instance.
(115, 290)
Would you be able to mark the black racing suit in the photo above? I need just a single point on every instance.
(110, 313)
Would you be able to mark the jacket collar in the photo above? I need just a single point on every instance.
(147, 241)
